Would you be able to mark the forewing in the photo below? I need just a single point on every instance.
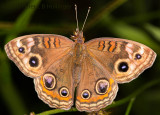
(123, 59)
(34, 54)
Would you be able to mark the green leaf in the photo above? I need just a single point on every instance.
(155, 31)
(126, 31)
(105, 11)
(8, 90)
(134, 94)
(129, 106)
(23, 20)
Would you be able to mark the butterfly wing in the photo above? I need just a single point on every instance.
(33, 54)
(96, 88)
(48, 59)
(55, 87)
(123, 59)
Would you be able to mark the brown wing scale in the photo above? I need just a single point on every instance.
(55, 86)
(96, 88)
(33, 54)
(57, 67)
(123, 59)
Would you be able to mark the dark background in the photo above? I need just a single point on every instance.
(137, 20)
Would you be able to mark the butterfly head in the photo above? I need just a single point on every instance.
(78, 36)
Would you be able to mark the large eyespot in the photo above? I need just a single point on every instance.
(85, 94)
(21, 50)
(123, 67)
(49, 81)
(102, 86)
(34, 61)
(64, 92)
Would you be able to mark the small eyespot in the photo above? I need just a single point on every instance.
(123, 67)
(34, 61)
(64, 92)
(102, 86)
(86, 94)
(138, 56)
(49, 81)
(21, 50)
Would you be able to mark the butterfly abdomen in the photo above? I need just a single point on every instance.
(78, 58)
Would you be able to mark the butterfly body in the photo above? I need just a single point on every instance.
(58, 65)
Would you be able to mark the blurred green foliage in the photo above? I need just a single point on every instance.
(137, 20)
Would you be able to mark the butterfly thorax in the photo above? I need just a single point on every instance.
(79, 40)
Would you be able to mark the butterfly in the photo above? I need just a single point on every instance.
(59, 65)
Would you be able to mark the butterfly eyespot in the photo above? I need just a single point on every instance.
(102, 86)
(21, 50)
(34, 61)
(49, 81)
(123, 67)
(138, 56)
(64, 92)
(86, 94)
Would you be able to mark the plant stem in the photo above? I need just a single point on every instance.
(129, 106)
(55, 111)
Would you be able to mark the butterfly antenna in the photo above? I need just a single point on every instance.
(86, 18)
(77, 29)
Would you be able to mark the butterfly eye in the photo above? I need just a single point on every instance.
(138, 56)
(102, 86)
(21, 50)
(86, 94)
(34, 62)
(123, 67)
(49, 81)
(64, 92)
